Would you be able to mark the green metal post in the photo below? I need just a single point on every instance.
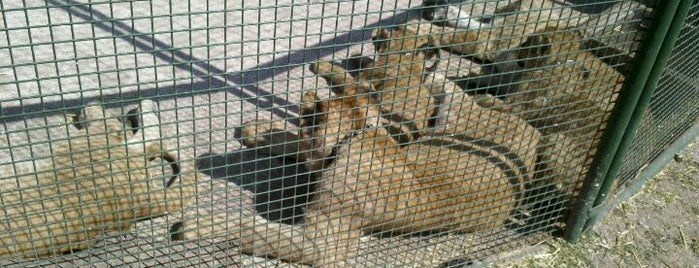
(653, 168)
(655, 75)
(619, 120)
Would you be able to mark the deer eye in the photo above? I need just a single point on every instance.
(586, 73)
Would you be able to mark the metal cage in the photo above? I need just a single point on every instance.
(397, 133)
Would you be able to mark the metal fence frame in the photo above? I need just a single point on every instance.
(595, 199)
(668, 22)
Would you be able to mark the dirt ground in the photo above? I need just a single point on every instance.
(655, 228)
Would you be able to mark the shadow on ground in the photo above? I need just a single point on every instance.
(281, 186)
(243, 84)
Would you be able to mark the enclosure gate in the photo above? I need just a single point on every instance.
(200, 133)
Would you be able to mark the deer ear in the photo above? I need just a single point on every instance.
(434, 41)
(533, 52)
(429, 50)
(413, 27)
(534, 45)
(308, 102)
(310, 109)
(380, 38)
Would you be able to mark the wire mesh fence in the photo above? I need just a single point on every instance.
(324, 133)
(673, 105)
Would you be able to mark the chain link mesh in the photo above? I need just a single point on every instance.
(290, 133)
(673, 106)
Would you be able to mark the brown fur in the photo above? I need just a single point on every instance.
(93, 183)
(562, 88)
(396, 77)
(587, 75)
(368, 182)
(513, 22)
(565, 92)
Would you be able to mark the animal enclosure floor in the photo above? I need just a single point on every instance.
(655, 228)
